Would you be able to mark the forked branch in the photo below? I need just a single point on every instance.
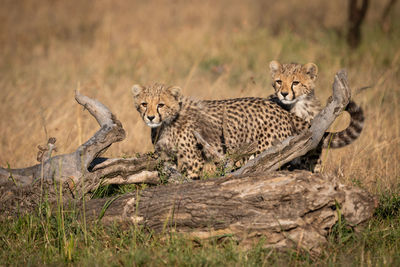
(75, 165)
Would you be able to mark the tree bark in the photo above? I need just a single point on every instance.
(287, 209)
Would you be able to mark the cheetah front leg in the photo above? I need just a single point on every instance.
(190, 159)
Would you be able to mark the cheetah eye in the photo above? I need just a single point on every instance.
(295, 83)
(144, 104)
(279, 82)
(160, 105)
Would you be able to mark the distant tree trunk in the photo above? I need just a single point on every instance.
(385, 18)
(355, 20)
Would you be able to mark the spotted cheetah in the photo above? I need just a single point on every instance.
(224, 124)
(294, 86)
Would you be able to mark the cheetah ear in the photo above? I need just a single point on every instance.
(175, 91)
(311, 70)
(137, 89)
(274, 66)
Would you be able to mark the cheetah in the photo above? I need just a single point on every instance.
(224, 124)
(294, 86)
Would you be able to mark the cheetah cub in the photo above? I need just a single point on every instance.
(294, 86)
(224, 124)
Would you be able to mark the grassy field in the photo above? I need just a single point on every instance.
(214, 50)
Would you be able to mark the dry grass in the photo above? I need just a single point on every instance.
(213, 49)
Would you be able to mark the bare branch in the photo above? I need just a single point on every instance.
(146, 177)
(111, 130)
(137, 170)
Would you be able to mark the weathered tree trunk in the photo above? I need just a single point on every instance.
(288, 209)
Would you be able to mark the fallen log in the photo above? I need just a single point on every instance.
(287, 209)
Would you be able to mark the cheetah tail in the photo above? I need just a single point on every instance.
(351, 133)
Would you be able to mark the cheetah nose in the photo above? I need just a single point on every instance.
(284, 94)
(151, 117)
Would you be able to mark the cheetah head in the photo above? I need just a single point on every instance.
(292, 82)
(157, 104)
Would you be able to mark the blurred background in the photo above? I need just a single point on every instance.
(212, 49)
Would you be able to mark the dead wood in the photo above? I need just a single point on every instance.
(78, 169)
(287, 209)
